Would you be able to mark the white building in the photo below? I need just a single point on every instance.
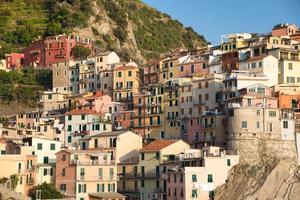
(79, 123)
(45, 151)
(262, 66)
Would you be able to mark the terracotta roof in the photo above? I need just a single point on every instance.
(158, 145)
(82, 112)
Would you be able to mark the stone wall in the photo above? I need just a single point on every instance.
(254, 147)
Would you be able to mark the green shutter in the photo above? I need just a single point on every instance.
(79, 188)
(210, 178)
(228, 162)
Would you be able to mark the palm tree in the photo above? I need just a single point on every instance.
(14, 179)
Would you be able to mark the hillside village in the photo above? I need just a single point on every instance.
(174, 128)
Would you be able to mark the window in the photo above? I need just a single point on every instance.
(100, 173)
(129, 73)
(69, 139)
(244, 124)
(192, 68)
(52, 146)
(39, 146)
(294, 103)
(194, 193)
(142, 183)
(69, 117)
(290, 79)
(81, 188)
(260, 64)
(210, 178)
(46, 160)
(257, 125)
(157, 155)
(111, 173)
(290, 66)
(272, 113)
(45, 172)
(270, 127)
(285, 124)
(119, 74)
(82, 117)
(194, 177)
(228, 162)
(49, 96)
(63, 172)
(142, 156)
(258, 112)
(181, 68)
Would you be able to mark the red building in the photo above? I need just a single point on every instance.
(230, 61)
(14, 60)
(53, 49)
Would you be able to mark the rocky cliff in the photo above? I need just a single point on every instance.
(267, 171)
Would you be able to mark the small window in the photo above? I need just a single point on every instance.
(142, 156)
(228, 162)
(52, 146)
(290, 66)
(210, 178)
(194, 177)
(272, 113)
(285, 124)
(82, 117)
(39, 146)
(194, 193)
(157, 155)
(69, 117)
(244, 124)
(129, 73)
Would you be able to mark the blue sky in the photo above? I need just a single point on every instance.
(213, 18)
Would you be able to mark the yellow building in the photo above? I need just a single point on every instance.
(149, 112)
(152, 185)
(126, 82)
(23, 166)
(232, 42)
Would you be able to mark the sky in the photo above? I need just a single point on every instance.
(213, 18)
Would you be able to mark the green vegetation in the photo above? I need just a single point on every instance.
(22, 21)
(48, 191)
(81, 51)
(14, 179)
(24, 85)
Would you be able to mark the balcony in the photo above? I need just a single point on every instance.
(30, 181)
(92, 162)
(81, 133)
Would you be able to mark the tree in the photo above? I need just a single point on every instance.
(48, 191)
(80, 51)
(14, 179)
(3, 180)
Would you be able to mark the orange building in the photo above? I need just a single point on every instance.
(126, 82)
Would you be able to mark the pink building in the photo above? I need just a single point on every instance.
(53, 49)
(194, 132)
(257, 95)
(284, 30)
(86, 174)
(14, 60)
(195, 64)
